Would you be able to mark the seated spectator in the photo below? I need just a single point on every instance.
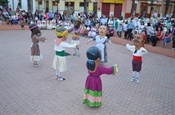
(93, 32)
(86, 31)
(14, 19)
(159, 33)
(143, 33)
(110, 32)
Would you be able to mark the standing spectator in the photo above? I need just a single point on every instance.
(20, 18)
(72, 17)
(110, 21)
(173, 35)
(50, 15)
(115, 23)
(130, 27)
(153, 35)
(119, 30)
(103, 20)
(148, 27)
(125, 24)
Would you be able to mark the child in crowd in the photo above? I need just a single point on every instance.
(143, 33)
(119, 30)
(138, 52)
(101, 40)
(59, 61)
(36, 38)
(166, 38)
(93, 85)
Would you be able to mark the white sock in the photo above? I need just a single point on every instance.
(134, 74)
(58, 73)
(77, 50)
(137, 75)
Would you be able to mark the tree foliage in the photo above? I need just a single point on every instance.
(85, 6)
(167, 6)
(2, 2)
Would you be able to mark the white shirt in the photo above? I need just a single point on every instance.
(139, 52)
(63, 45)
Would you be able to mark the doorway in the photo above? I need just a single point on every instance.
(143, 9)
(117, 10)
(95, 8)
(106, 9)
(47, 6)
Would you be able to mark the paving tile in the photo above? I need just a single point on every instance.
(28, 90)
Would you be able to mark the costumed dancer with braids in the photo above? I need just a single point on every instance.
(138, 51)
(75, 37)
(36, 38)
(101, 40)
(59, 61)
(93, 85)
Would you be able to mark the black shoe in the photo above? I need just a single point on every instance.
(60, 78)
(74, 54)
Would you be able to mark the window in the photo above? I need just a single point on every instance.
(69, 5)
(82, 4)
(39, 2)
(55, 3)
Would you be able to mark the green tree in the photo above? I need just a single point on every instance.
(29, 5)
(85, 6)
(132, 7)
(2, 2)
(166, 6)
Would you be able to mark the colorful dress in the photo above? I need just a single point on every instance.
(101, 44)
(93, 86)
(59, 61)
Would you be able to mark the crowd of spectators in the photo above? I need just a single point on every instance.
(153, 29)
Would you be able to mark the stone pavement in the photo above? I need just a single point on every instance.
(28, 90)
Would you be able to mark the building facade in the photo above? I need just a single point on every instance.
(22, 4)
(74, 5)
(111, 7)
(116, 8)
(148, 7)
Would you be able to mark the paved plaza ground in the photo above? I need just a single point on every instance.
(28, 90)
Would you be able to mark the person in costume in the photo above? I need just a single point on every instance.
(138, 51)
(101, 40)
(36, 38)
(93, 84)
(75, 37)
(59, 61)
